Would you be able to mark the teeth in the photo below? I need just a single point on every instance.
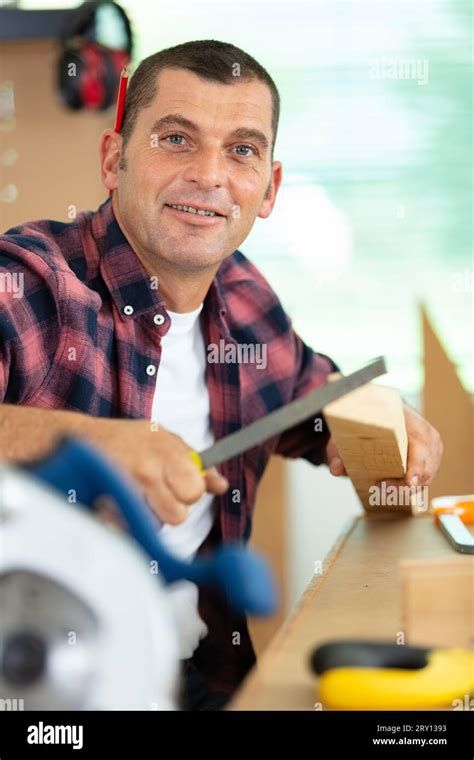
(192, 210)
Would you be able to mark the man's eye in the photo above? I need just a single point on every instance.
(241, 148)
(175, 139)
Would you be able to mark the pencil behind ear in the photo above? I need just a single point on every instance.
(120, 107)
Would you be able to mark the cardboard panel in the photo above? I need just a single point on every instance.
(449, 407)
(49, 163)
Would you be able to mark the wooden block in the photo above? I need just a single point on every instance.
(368, 428)
(437, 601)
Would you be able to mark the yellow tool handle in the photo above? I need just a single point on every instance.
(197, 461)
(449, 675)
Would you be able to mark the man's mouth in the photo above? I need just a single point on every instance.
(194, 209)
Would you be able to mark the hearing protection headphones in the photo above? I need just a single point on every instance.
(97, 44)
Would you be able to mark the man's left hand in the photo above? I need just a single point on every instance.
(425, 450)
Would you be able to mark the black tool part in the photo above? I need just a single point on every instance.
(367, 654)
(24, 658)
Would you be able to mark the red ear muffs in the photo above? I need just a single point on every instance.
(89, 72)
(92, 87)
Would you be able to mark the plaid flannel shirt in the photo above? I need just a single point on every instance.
(84, 334)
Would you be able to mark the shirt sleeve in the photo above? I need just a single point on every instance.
(29, 321)
(3, 372)
(308, 439)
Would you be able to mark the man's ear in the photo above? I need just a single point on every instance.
(110, 148)
(270, 197)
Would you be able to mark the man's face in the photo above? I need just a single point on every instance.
(200, 144)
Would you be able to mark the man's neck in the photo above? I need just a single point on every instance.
(181, 290)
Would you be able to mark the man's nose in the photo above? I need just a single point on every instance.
(206, 168)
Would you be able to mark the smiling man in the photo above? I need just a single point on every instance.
(111, 337)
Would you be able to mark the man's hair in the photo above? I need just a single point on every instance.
(209, 59)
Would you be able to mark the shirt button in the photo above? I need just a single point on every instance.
(150, 370)
(128, 310)
(158, 319)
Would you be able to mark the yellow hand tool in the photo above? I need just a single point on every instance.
(361, 675)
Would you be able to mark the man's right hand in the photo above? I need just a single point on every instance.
(159, 462)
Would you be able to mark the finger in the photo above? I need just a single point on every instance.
(336, 467)
(184, 479)
(166, 505)
(416, 470)
(331, 450)
(417, 466)
(434, 456)
(215, 482)
(160, 497)
(397, 482)
(424, 448)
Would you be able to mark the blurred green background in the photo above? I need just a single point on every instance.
(375, 137)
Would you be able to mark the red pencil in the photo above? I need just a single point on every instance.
(120, 103)
(121, 100)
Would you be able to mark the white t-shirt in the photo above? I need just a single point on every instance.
(181, 405)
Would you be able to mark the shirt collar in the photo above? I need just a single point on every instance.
(126, 278)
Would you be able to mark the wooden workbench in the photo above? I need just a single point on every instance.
(357, 595)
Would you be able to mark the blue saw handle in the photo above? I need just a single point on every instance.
(242, 575)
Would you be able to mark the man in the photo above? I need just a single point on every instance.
(122, 305)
